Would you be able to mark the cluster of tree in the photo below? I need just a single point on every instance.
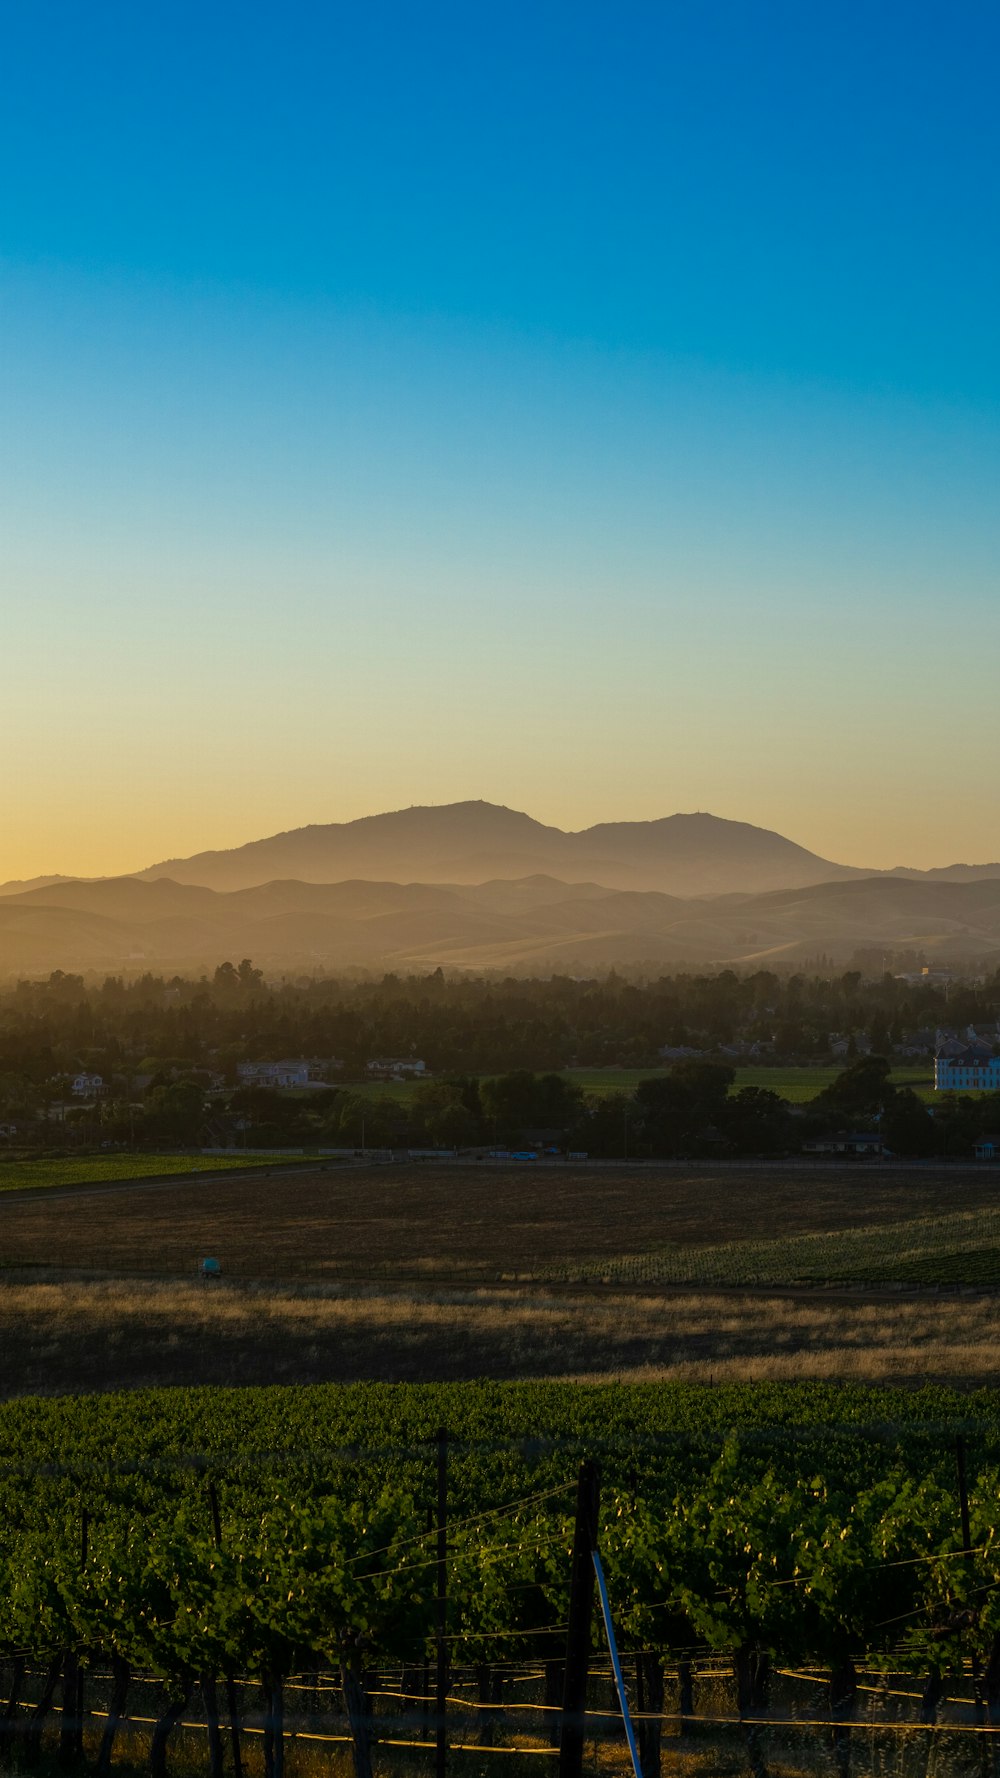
(476, 1024)
(865, 1094)
(692, 1110)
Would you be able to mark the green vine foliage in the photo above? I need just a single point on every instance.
(818, 1525)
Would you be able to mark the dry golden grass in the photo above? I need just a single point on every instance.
(92, 1321)
(795, 1746)
(64, 1335)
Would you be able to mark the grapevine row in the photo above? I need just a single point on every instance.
(124, 1548)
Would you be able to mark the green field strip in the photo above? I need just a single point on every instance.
(106, 1169)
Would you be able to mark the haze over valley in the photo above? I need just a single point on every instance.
(475, 886)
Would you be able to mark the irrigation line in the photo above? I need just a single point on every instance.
(820, 1722)
(474, 1519)
(800, 1580)
(878, 1691)
(308, 1735)
(494, 1635)
(602, 1716)
(763, 1722)
(496, 1550)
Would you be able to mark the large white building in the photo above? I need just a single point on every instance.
(973, 1069)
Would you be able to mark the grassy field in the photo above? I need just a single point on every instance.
(69, 1336)
(797, 1085)
(101, 1169)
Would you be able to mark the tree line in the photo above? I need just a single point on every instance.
(475, 1024)
(693, 1111)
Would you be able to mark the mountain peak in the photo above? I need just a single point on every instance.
(475, 841)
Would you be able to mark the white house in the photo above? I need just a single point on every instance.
(273, 1074)
(863, 1143)
(85, 1086)
(973, 1069)
(397, 1065)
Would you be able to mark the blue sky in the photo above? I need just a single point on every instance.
(595, 409)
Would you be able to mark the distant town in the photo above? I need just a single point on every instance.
(904, 1063)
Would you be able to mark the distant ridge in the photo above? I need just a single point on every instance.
(21, 885)
(533, 925)
(473, 842)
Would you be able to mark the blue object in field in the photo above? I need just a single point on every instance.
(210, 1268)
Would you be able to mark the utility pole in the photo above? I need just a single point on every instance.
(581, 1607)
(963, 1502)
(84, 1553)
(234, 1720)
(441, 1675)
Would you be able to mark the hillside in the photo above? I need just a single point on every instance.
(475, 841)
(536, 922)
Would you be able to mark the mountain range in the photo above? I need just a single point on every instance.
(473, 886)
(476, 841)
(472, 842)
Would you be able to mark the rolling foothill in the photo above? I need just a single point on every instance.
(475, 887)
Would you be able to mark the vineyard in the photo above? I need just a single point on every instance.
(278, 1568)
(961, 1247)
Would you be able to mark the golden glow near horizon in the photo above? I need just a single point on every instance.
(123, 829)
(146, 736)
(608, 590)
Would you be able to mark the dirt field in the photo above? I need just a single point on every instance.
(413, 1273)
(461, 1222)
(71, 1336)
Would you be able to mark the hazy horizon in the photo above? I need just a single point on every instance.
(596, 414)
(251, 839)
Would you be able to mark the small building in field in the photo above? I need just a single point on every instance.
(987, 1148)
(397, 1067)
(863, 1142)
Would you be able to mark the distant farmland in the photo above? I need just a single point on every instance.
(105, 1169)
(452, 1222)
(796, 1085)
(415, 1272)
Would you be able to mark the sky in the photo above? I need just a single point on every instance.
(593, 408)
